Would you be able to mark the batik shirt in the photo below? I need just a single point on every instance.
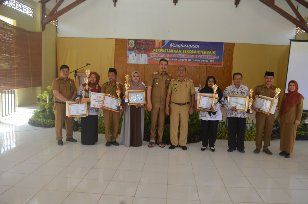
(232, 90)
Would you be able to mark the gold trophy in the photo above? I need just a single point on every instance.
(118, 91)
(86, 88)
(250, 101)
(215, 100)
(127, 85)
(277, 92)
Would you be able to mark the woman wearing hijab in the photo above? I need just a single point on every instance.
(89, 124)
(133, 122)
(210, 119)
(290, 116)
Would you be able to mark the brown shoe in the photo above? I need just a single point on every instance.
(267, 151)
(151, 144)
(256, 151)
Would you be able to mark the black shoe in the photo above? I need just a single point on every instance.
(71, 140)
(184, 147)
(203, 148)
(212, 149)
(115, 143)
(283, 153)
(60, 142)
(108, 144)
(230, 150)
(241, 150)
(172, 147)
(267, 151)
(287, 155)
(256, 151)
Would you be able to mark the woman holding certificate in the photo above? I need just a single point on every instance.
(210, 118)
(290, 116)
(133, 123)
(89, 124)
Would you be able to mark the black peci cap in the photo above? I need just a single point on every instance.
(268, 73)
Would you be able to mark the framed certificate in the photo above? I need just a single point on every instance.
(111, 103)
(240, 102)
(136, 97)
(265, 104)
(205, 101)
(96, 99)
(74, 109)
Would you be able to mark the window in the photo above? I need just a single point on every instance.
(8, 20)
(19, 7)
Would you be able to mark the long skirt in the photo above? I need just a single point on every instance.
(132, 130)
(89, 130)
(287, 137)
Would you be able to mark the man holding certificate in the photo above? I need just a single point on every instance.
(264, 121)
(236, 105)
(64, 90)
(180, 100)
(114, 92)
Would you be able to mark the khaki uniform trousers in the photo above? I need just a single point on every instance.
(179, 116)
(264, 126)
(60, 118)
(112, 122)
(157, 121)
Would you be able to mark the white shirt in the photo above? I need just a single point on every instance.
(204, 115)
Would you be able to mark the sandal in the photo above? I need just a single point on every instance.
(161, 145)
(151, 144)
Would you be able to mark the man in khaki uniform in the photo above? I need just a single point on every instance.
(180, 98)
(112, 118)
(63, 89)
(264, 122)
(156, 101)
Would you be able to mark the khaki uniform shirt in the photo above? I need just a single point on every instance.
(66, 87)
(181, 91)
(264, 91)
(111, 89)
(159, 83)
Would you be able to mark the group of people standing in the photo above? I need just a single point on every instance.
(175, 97)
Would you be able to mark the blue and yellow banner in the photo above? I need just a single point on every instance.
(190, 53)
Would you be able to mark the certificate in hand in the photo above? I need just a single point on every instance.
(96, 99)
(111, 103)
(264, 104)
(74, 109)
(205, 101)
(240, 102)
(136, 97)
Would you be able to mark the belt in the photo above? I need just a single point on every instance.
(181, 104)
(59, 102)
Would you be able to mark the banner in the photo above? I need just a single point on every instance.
(188, 53)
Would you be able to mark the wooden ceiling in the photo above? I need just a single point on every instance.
(298, 20)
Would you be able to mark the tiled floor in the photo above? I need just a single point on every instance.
(33, 169)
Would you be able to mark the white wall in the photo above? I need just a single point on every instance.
(200, 20)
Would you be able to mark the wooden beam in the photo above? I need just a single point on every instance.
(175, 2)
(115, 3)
(272, 5)
(43, 4)
(62, 11)
(303, 2)
(54, 10)
(294, 9)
